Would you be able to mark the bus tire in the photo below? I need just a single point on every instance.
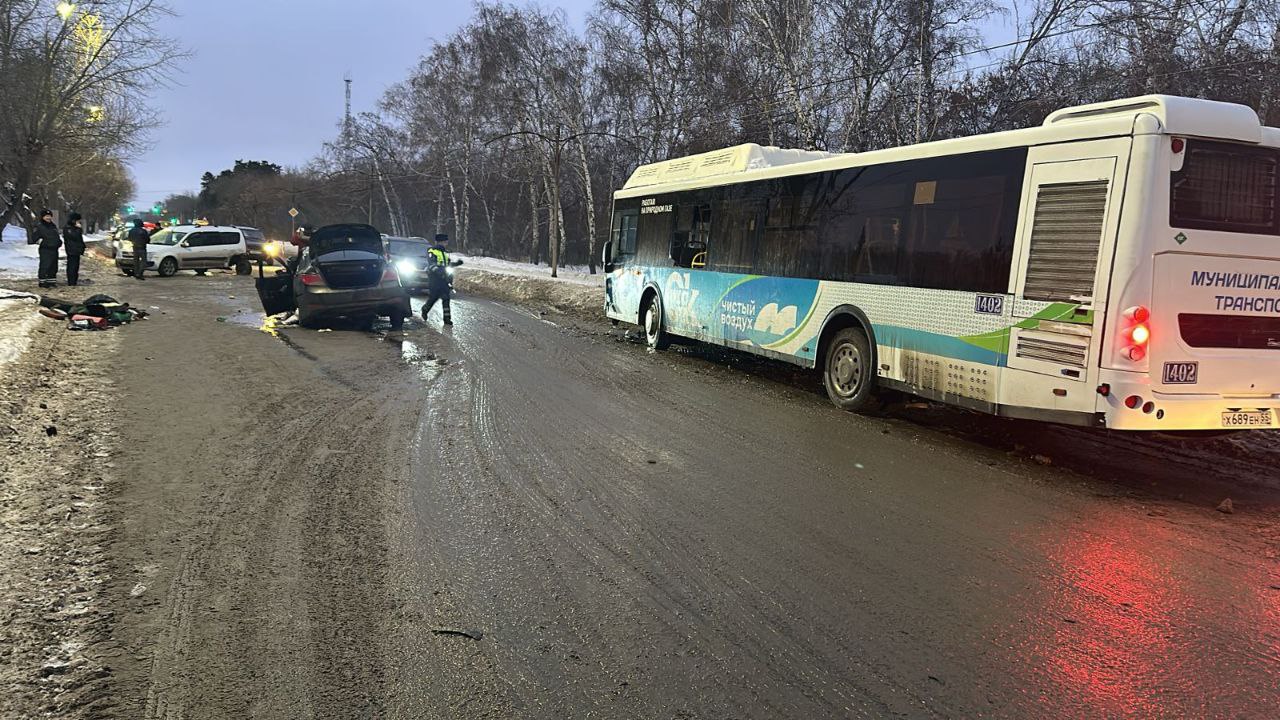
(848, 373)
(655, 333)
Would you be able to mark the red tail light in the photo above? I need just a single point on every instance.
(1135, 333)
(311, 279)
(390, 274)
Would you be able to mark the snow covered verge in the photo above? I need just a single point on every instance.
(572, 274)
(575, 292)
(18, 318)
(18, 260)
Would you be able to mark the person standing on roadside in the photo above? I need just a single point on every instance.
(138, 237)
(73, 236)
(439, 286)
(46, 234)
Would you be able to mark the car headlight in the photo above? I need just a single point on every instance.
(406, 267)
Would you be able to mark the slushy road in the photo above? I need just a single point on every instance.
(527, 516)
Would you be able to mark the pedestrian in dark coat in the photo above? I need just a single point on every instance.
(46, 234)
(73, 236)
(138, 237)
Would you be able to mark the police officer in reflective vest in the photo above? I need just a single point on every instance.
(439, 286)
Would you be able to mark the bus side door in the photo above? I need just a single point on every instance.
(1065, 242)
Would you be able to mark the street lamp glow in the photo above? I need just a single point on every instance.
(65, 9)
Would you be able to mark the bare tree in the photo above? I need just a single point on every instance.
(74, 78)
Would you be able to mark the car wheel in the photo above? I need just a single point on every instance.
(848, 373)
(242, 266)
(655, 334)
(168, 267)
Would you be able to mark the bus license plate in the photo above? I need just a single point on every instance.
(1249, 418)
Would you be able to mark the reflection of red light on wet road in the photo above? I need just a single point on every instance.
(1135, 619)
(1114, 631)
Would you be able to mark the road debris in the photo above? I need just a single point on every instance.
(1226, 506)
(473, 634)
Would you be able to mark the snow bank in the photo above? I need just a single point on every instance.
(18, 260)
(574, 274)
(559, 294)
(18, 317)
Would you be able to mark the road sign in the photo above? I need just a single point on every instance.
(293, 212)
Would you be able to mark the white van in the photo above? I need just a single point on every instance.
(191, 247)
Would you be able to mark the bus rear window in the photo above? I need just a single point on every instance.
(1227, 187)
(1230, 331)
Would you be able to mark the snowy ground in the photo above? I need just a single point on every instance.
(575, 274)
(18, 260)
(574, 291)
(18, 318)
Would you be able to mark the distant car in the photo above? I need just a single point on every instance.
(191, 247)
(344, 273)
(409, 257)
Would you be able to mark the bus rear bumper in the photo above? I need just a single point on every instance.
(1163, 411)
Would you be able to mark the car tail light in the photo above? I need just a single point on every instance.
(1135, 333)
(389, 274)
(311, 279)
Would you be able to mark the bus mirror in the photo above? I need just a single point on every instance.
(606, 256)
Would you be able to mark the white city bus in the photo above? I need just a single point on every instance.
(1117, 267)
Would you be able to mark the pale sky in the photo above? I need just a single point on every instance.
(264, 81)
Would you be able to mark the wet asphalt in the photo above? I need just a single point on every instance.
(576, 526)
(640, 534)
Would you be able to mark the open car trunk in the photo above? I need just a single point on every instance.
(348, 256)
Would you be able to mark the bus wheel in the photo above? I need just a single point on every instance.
(848, 374)
(654, 334)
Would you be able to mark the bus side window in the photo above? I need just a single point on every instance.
(624, 235)
(689, 246)
(957, 228)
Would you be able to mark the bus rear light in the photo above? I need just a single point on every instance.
(1135, 333)
(1132, 401)
(1104, 389)
(1177, 144)
(1149, 407)
(1137, 314)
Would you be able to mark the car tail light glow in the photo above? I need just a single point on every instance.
(1132, 401)
(311, 279)
(390, 274)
